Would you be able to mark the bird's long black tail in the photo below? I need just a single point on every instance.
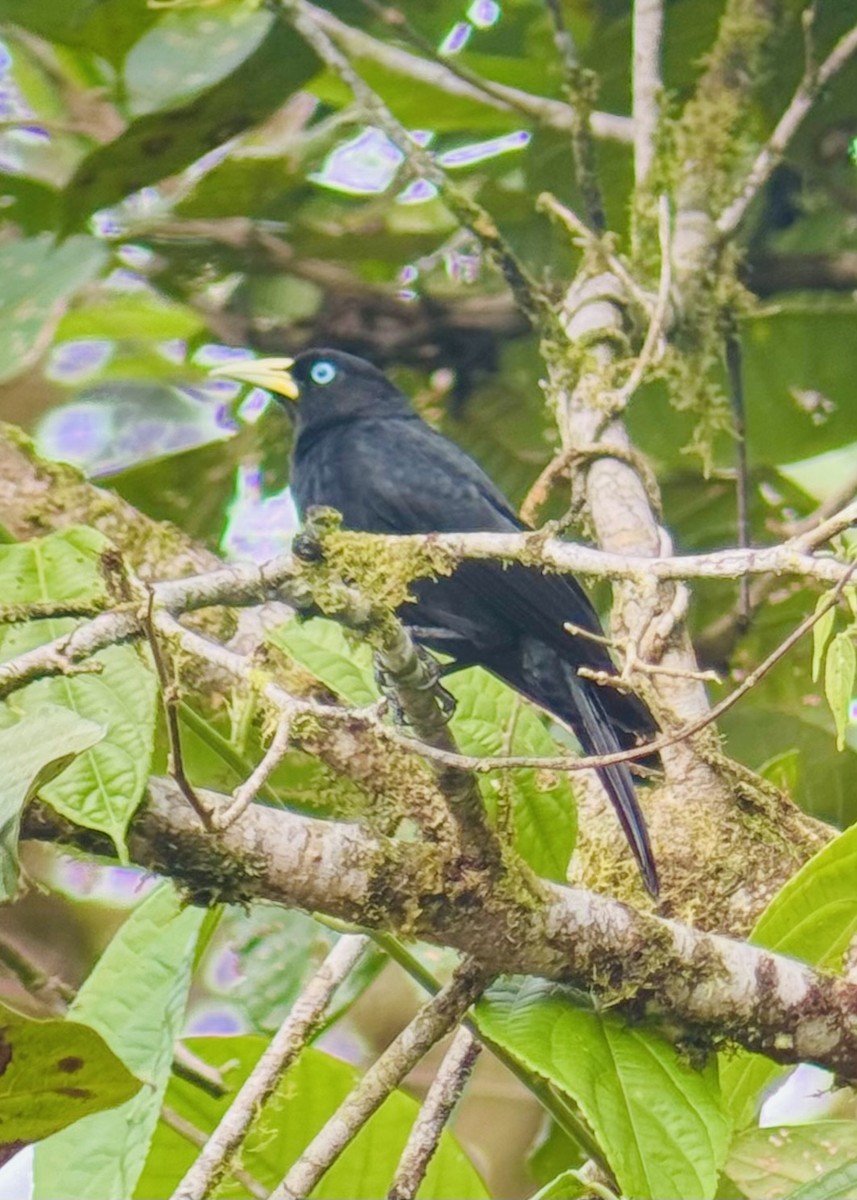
(555, 685)
(597, 736)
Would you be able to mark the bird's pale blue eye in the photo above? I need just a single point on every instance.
(322, 372)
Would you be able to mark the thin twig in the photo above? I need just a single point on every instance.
(658, 320)
(170, 701)
(742, 484)
(441, 1098)
(295, 1032)
(246, 792)
(188, 1066)
(53, 990)
(815, 79)
(835, 519)
(580, 88)
(549, 203)
(191, 1133)
(454, 78)
(646, 84)
(434, 1020)
(471, 215)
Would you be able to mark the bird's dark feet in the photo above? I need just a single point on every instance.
(434, 674)
(430, 683)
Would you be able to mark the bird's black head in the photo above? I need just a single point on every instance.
(323, 387)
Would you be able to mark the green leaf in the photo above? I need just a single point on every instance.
(305, 1098)
(135, 998)
(38, 279)
(133, 316)
(103, 786)
(33, 751)
(802, 395)
(343, 665)
(190, 50)
(821, 632)
(106, 27)
(491, 719)
(163, 143)
(838, 1184)
(659, 1120)
(54, 1073)
(813, 917)
(840, 668)
(28, 203)
(767, 1163)
(567, 1186)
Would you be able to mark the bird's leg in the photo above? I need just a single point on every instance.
(431, 682)
(387, 688)
(434, 673)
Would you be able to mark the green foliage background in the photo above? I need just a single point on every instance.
(160, 186)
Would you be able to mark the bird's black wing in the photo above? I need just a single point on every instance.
(402, 477)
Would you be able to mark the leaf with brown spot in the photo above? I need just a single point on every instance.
(36, 1058)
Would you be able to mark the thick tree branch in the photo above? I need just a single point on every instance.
(702, 986)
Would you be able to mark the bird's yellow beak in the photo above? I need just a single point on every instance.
(273, 374)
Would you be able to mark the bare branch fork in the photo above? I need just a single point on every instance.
(423, 1140)
(295, 1032)
(434, 1020)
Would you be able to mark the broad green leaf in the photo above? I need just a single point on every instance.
(801, 396)
(28, 203)
(189, 50)
(658, 1119)
(813, 917)
(307, 1095)
(135, 999)
(768, 1163)
(343, 666)
(840, 669)
(32, 752)
(103, 786)
(160, 144)
(106, 28)
(566, 1186)
(133, 316)
(838, 1184)
(490, 719)
(61, 567)
(39, 277)
(821, 632)
(54, 1073)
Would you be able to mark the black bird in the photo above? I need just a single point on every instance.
(362, 449)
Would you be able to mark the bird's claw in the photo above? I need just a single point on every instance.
(434, 673)
(431, 682)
